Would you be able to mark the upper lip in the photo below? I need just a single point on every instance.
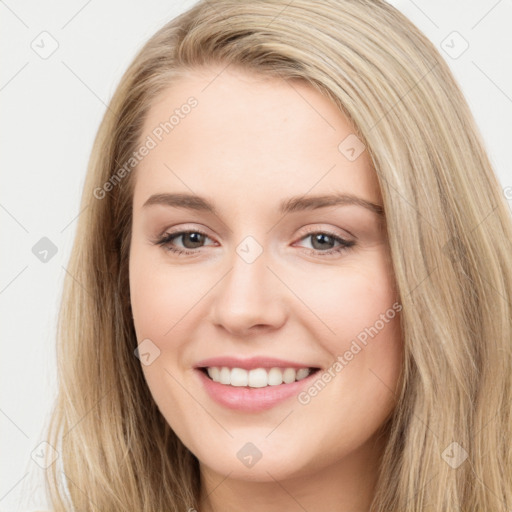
(251, 363)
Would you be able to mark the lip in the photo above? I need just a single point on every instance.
(247, 399)
(251, 363)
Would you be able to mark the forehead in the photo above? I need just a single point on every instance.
(258, 137)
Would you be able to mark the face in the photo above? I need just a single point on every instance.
(307, 290)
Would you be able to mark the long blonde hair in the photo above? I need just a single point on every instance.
(449, 231)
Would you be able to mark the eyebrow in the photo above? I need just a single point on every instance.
(293, 204)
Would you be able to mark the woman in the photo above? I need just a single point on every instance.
(208, 359)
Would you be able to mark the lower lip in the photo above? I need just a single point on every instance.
(251, 399)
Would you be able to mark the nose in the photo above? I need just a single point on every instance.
(249, 298)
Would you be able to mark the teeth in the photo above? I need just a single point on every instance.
(258, 377)
(239, 377)
(275, 377)
(302, 373)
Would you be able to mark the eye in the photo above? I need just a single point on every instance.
(193, 240)
(324, 240)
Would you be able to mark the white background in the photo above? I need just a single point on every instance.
(51, 109)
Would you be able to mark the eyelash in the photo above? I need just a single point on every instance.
(165, 240)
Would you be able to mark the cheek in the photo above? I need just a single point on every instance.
(161, 297)
(359, 327)
(350, 298)
(160, 300)
(343, 302)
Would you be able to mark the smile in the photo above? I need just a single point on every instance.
(253, 390)
(257, 377)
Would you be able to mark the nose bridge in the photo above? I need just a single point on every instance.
(247, 295)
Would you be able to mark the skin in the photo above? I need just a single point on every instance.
(265, 140)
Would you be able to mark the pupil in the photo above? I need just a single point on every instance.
(319, 237)
(197, 241)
